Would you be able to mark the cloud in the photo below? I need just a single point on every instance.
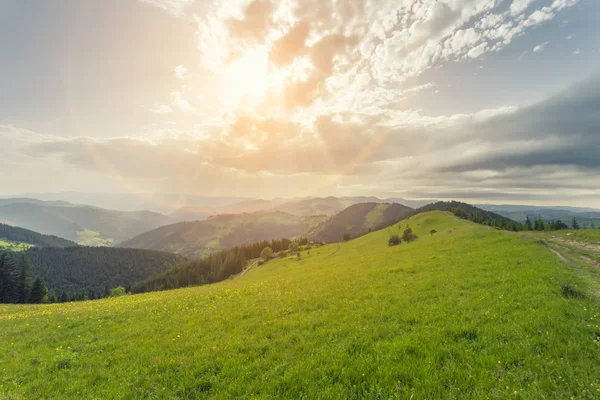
(163, 109)
(173, 7)
(181, 71)
(551, 145)
(540, 47)
(576, 52)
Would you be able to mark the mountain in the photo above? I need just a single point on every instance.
(83, 269)
(20, 235)
(448, 315)
(359, 219)
(305, 206)
(200, 238)
(586, 217)
(80, 223)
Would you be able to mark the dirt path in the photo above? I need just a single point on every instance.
(246, 270)
(579, 245)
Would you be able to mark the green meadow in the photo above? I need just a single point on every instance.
(470, 312)
(14, 246)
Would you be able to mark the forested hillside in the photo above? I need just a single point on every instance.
(16, 234)
(359, 219)
(94, 269)
(471, 213)
(213, 268)
(201, 238)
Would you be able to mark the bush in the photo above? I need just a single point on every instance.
(266, 253)
(293, 247)
(346, 236)
(568, 290)
(118, 292)
(408, 235)
(394, 240)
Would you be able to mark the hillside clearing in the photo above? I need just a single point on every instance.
(474, 313)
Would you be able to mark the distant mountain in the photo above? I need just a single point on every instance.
(81, 269)
(305, 206)
(82, 224)
(200, 238)
(20, 235)
(359, 219)
(586, 217)
(163, 203)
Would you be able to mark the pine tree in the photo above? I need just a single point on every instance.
(39, 291)
(23, 281)
(575, 224)
(528, 224)
(7, 279)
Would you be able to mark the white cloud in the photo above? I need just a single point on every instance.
(540, 47)
(576, 52)
(163, 109)
(477, 51)
(181, 103)
(173, 7)
(181, 71)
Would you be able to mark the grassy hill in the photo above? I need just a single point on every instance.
(83, 224)
(14, 238)
(470, 312)
(83, 269)
(200, 238)
(359, 219)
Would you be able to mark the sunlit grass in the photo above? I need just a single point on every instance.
(468, 313)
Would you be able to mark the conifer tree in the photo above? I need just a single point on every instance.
(39, 291)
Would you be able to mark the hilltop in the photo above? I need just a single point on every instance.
(200, 238)
(359, 219)
(469, 312)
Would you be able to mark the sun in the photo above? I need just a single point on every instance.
(247, 79)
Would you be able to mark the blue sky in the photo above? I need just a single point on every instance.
(434, 99)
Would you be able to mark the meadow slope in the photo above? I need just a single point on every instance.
(469, 312)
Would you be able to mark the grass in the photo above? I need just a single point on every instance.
(14, 246)
(92, 238)
(468, 313)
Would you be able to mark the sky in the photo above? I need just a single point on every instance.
(487, 101)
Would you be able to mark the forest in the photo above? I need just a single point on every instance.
(213, 268)
(16, 234)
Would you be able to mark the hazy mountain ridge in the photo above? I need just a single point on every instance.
(200, 238)
(78, 222)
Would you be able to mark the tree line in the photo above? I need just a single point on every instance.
(554, 225)
(213, 268)
(17, 285)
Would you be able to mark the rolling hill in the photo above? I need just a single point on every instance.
(470, 312)
(83, 269)
(19, 235)
(83, 224)
(200, 238)
(359, 219)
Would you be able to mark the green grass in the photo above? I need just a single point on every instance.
(91, 238)
(468, 313)
(14, 246)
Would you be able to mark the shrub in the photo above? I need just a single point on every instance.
(569, 290)
(118, 292)
(394, 240)
(266, 253)
(408, 235)
(432, 232)
(346, 236)
(293, 247)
